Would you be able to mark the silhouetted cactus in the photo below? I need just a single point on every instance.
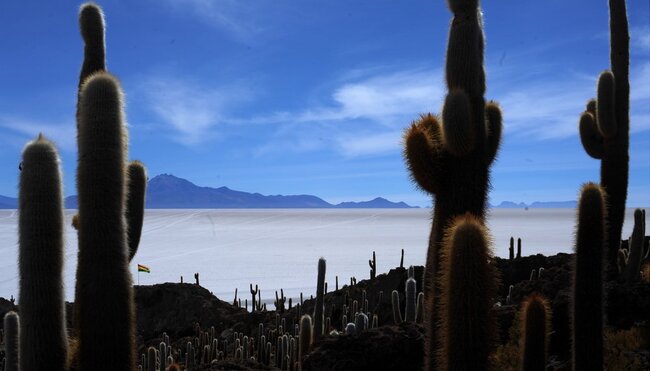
(373, 266)
(535, 321)
(253, 293)
(604, 129)
(511, 249)
(151, 359)
(137, 188)
(588, 280)
(397, 313)
(103, 287)
(12, 341)
(320, 304)
(518, 248)
(451, 160)
(468, 286)
(633, 266)
(410, 300)
(41, 254)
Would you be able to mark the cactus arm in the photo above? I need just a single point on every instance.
(91, 23)
(421, 153)
(135, 202)
(605, 106)
(494, 119)
(590, 136)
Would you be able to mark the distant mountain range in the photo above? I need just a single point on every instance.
(166, 191)
(537, 205)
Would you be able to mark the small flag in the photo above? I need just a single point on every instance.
(142, 268)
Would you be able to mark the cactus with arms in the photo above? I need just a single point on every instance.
(451, 158)
(605, 127)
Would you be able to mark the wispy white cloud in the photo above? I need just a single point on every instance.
(376, 144)
(62, 133)
(364, 116)
(240, 19)
(640, 38)
(188, 109)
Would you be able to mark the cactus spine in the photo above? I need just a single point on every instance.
(468, 285)
(319, 308)
(535, 315)
(43, 330)
(12, 341)
(451, 160)
(588, 280)
(604, 131)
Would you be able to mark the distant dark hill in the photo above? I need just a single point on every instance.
(166, 191)
(377, 203)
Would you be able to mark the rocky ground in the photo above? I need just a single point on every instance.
(176, 308)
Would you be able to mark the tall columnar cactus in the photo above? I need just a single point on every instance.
(411, 298)
(605, 126)
(468, 286)
(450, 157)
(320, 306)
(41, 221)
(305, 336)
(633, 266)
(104, 295)
(588, 280)
(535, 320)
(137, 188)
(253, 293)
(397, 312)
(12, 341)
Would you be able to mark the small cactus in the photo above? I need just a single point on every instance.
(397, 314)
(633, 266)
(410, 300)
(320, 306)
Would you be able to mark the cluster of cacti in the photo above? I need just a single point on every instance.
(451, 158)
(109, 224)
(414, 307)
(605, 126)
(511, 249)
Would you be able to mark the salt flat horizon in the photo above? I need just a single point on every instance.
(280, 248)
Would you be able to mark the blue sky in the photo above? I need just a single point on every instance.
(312, 97)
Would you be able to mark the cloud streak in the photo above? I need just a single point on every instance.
(62, 133)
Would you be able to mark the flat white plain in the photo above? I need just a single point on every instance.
(279, 248)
